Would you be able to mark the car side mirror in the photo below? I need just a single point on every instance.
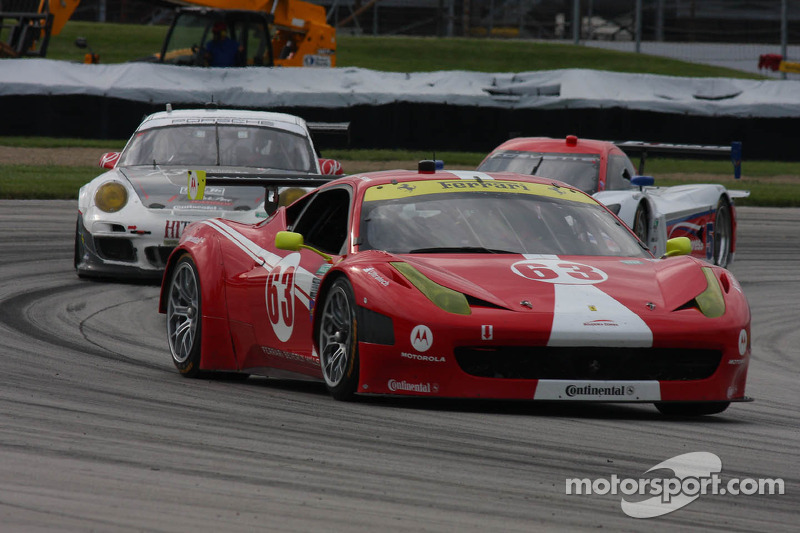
(642, 181)
(109, 160)
(330, 167)
(289, 240)
(678, 246)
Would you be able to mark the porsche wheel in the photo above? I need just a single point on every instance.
(338, 340)
(183, 317)
(691, 408)
(723, 233)
(640, 226)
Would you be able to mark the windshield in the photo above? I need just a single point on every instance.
(494, 217)
(220, 145)
(579, 170)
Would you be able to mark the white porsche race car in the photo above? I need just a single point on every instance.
(702, 212)
(131, 217)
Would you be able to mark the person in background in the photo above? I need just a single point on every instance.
(221, 50)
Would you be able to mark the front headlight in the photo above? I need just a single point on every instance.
(444, 298)
(111, 197)
(711, 302)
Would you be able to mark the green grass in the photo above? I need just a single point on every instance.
(44, 182)
(117, 43)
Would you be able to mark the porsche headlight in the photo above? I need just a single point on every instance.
(444, 298)
(710, 301)
(111, 197)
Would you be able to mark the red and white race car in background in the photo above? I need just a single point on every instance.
(702, 212)
(131, 217)
(457, 284)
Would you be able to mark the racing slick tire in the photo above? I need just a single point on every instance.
(723, 233)
(691, 408)
(78, 247)
(337, 340)
(640, 225)
(184, 317)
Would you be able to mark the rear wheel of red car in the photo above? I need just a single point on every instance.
(183, 317)
(640, 226)
(338, 340)
(691, 408)
(723, 233)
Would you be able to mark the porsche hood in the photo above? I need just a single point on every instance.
(166, 188)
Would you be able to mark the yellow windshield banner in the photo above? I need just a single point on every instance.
(197, 184)
(393, 191)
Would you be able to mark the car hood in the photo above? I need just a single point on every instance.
(646, 286)
(167, 188)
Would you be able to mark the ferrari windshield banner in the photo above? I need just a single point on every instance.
(393, 191)
(197, 184)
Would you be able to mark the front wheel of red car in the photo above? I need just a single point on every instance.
(691, 408)
(338, 340)
(183, 317)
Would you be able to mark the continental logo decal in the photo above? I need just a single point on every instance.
(392, 191)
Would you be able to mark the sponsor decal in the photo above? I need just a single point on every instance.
(601, 322)
(209, 191)
(692, 474)
(592, 308)
(323, 269)
(742, 342)
(174, 228)
(590, 390)
(421, 338)
(470, 181)
(376, 276)
(558, 272)
(289, 356)
(197, 185)
(195, 240)
(316, 60)
(736, 361)
(631, 262)
(404, 385)
(601, 391)
(487, 332)
(425, 358)
(491, 185)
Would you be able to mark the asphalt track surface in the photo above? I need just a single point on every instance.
(98, 432)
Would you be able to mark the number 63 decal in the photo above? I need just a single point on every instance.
(558, 272)
(280, 296)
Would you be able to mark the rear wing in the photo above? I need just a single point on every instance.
(330, 133)
(734, 151)
(199, 179)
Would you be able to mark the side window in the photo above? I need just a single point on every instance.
(617, 164)
(323, 223)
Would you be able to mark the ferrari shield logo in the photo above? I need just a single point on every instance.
(197, 184)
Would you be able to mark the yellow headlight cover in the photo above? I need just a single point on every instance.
(111, 197)
(711, 302)
(444, 298)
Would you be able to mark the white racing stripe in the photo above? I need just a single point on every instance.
(302, 280)
(470, 175)
(584, 315)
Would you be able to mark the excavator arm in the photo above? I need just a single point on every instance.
(26, 25)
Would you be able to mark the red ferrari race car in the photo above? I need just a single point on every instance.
(455, 284)
(704, 213)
